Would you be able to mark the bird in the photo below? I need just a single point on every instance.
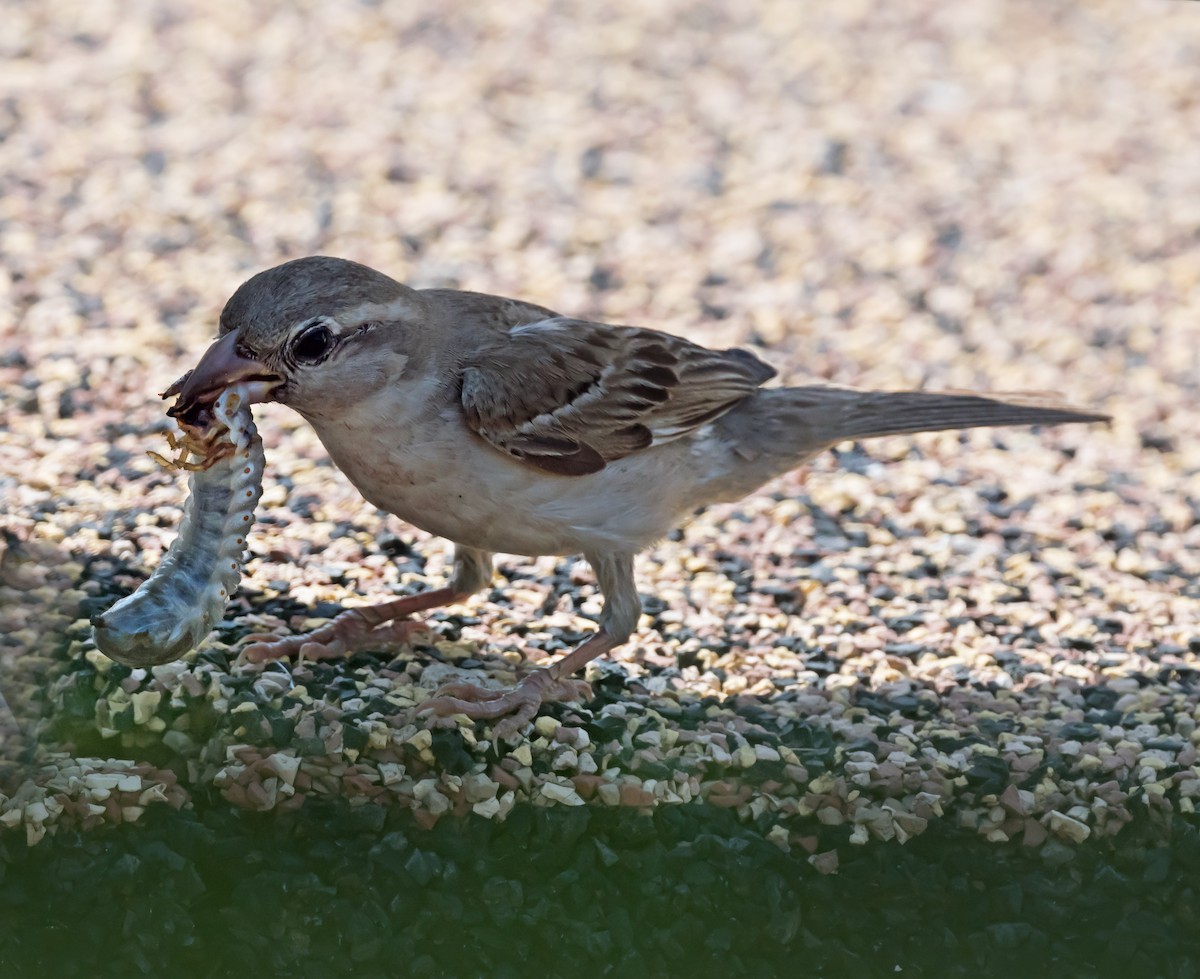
(506, 427)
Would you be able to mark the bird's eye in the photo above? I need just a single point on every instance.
(313, 344)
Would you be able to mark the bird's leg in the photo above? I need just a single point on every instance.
(517, 707)
(376, 627)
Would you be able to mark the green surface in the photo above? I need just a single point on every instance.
(363, 892)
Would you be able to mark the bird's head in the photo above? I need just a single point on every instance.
(315, 333)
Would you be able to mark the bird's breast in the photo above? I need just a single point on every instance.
(436, 474)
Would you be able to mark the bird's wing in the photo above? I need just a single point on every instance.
(568, 397)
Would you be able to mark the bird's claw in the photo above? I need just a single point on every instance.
(347, 633)
(514, 708)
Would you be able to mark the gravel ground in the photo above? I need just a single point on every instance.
(997, 632)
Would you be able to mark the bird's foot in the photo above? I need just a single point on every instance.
(347, 633)
(515, 707)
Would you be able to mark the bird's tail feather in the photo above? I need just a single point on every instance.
(866, 414)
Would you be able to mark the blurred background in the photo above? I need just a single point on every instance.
(979, 192)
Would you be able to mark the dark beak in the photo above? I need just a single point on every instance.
(221, 366)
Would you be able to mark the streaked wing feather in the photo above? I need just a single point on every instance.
(568, 396)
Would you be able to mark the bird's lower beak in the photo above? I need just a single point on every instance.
(221, 366)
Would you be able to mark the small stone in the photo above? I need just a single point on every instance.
(564, 794)
(487, 808)
(145, 702)
(422, 740)
(634, 796)
(587, 785)
(779, 836)
(830, 817)
(284, 765)
(479, 788)
(1011, 800)
(825, 863)
(546, 726)
(764, 752)
(179, 742)
(1067, 827)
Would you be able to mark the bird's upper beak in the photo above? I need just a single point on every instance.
(221, 366)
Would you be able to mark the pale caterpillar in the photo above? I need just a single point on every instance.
(178, 605)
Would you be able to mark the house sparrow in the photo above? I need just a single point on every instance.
(504, 426)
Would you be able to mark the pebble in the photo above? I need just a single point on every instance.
(989, 635)
(1068, 827)
(564, 794)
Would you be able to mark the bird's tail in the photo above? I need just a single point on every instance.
(865, 414)
(779, 428)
